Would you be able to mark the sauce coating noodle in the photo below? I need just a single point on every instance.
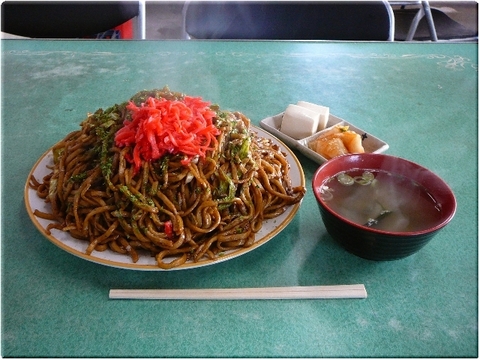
(174, 210)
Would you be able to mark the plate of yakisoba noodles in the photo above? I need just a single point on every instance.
(164, 181)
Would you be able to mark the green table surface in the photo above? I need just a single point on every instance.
(419, 98)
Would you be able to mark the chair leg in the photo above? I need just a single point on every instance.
(139, 22)
(185, 35)
(431, 25)
(423, 11)
(414, 25)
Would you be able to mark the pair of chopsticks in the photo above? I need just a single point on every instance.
(294, 292)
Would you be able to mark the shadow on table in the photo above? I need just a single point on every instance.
(330, 264)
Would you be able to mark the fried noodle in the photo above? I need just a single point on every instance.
(178, 211)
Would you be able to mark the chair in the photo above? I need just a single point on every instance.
(70, 19)
(421, 22)
(316, 20)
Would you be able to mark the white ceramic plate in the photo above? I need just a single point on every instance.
(272, 124)
(77, 247)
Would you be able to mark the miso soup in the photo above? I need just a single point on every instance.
(381, 200)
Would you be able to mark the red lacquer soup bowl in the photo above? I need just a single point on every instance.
(381, 207)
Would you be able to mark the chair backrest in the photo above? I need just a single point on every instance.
(316, 20)
(66, 19)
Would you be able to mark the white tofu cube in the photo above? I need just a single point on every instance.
(299, 122)
(324, 112)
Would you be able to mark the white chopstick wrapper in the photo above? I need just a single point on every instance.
(295, 292)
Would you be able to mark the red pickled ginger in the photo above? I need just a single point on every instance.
(160, 126)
